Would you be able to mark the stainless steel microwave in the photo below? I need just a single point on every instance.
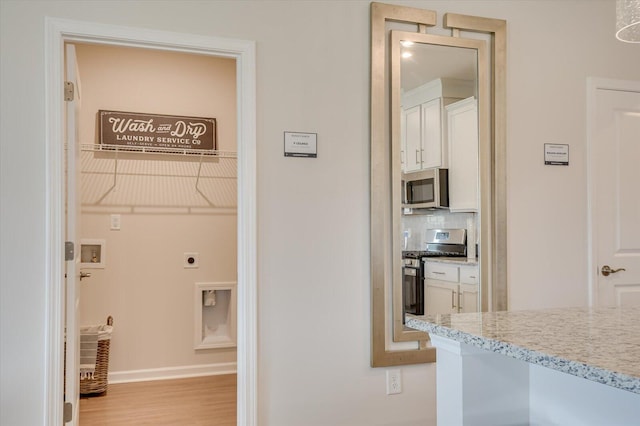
(426, 189)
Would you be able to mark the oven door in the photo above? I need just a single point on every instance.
(412, 291)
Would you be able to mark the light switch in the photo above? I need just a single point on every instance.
(115, 222)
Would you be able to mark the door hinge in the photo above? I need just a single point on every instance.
(68, 412)
(68, 91)
(69, 250)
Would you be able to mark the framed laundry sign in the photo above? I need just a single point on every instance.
(140, 130)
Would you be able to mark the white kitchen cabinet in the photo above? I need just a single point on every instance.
(422, 136)
(450, 288)
(469, 274)
(468, 298)
(462, 135)
(442, 271)
(441, 297)
(423, 123)
(433, 149)
(412, 139)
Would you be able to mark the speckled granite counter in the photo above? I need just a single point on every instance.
(452, 260)
(602, 345)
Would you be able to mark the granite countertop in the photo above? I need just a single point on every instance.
(452, 260)
(602, 345)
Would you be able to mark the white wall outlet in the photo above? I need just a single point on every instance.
(394, 381)
(191, 260)
(115, 222)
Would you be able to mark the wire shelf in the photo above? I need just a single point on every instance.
(157, 150)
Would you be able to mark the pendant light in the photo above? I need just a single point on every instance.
(628, 20)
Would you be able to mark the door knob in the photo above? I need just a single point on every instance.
(85, 275)
(606, 270)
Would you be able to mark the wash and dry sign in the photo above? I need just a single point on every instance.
(156, 131)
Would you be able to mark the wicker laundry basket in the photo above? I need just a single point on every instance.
(98, 383)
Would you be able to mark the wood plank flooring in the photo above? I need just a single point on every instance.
(199, 401)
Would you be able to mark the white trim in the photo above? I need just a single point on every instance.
(593, 85)
(168, 373)
(57, 31)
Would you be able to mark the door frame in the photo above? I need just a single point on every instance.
(593, 85)
(59, 31)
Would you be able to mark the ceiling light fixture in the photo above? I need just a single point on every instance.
(406, 55)
(628, 21)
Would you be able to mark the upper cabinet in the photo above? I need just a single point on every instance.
(462, 135)
(423, 122)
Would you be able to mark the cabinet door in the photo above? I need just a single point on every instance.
(432, 134)
(469, 274)
(440, 297)
(462, 134)
(412, 139)
(468, 298)
(441, 271)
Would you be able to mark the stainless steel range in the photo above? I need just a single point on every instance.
(440, 242)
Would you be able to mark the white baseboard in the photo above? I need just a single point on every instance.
(172, 372)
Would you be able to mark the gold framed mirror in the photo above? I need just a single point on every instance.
(392, 343)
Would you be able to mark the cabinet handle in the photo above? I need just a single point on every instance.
(417, 161)
(460, 302)
(438, 273)
(401, 157)
(453, 299)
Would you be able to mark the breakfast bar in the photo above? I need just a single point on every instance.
(547, 367)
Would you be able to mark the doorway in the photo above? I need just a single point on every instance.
(614, 200)
(145, 206)
(60, 31)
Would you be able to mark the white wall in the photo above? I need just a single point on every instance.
(144, 285)
(313, 277)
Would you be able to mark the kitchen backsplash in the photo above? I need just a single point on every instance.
(417, 225)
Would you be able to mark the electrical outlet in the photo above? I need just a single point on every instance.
(191, 260)
(394, 381)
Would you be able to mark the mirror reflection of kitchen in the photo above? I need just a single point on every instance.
(439, 166)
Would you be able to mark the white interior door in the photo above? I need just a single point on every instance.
(72, 230)
(614, 163)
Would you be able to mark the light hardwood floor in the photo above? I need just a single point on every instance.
(200, 401)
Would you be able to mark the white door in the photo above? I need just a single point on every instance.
(72, 229)
(614, 167)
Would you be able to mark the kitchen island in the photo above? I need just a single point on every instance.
(576, 366)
